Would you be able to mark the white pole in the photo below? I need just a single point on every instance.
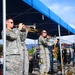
(74, 38)
(60, 48)
(34, 41)
(4, 35)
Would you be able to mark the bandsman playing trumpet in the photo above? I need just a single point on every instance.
(24, 53)
(13, 49)
(44, 53)
(24, 29)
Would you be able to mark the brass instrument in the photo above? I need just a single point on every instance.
(55, 48)
(31, 28)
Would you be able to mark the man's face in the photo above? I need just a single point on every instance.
(44, 33)
(9, 23)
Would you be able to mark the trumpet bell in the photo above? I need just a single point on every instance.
(33, 27)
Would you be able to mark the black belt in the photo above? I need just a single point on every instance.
(40, 44)
(13, 54)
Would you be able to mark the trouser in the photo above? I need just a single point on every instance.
(25, 62)
(58, 59)
(45, 62)
(73, 58)
(13, 65)
(51, 61)
(51, 57)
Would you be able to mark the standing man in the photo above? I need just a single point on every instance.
(44, 53)
(13, 47)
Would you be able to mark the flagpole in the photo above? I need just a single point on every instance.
(60, 48)
(4, 35)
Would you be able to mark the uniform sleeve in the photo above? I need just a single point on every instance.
(2, 34)
(44, 41)
(11, 35)
(23, 35)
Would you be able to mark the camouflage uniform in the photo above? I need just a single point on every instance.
(13, 55)
(25, 60)
(44, 55)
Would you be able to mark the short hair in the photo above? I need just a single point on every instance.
(43, 30)
(8, 19)
(16, 22)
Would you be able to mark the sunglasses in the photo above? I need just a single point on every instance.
(44, 32)
(11, 22)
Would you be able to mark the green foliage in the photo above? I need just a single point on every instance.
(31, 51)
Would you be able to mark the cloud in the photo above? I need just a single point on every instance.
(65, 12)
(72, 23)
(59, 9)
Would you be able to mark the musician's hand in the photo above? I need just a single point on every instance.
(48, 37)
(24, 27)
(20, 25)
(55, 41)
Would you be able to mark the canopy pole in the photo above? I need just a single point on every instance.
(34, 41)
(74, 38)
(60, 48)
(4, 36)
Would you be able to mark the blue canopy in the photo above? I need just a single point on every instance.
(47, 12)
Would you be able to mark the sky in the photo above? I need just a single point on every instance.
(65, 9)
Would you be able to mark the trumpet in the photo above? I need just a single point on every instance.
(31, 28)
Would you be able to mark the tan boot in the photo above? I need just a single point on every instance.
(45, 73)
(41, 74)
(69, 72)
